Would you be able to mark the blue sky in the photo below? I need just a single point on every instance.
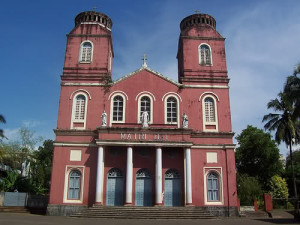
(262, 48)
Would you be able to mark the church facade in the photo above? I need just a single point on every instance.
(143, 140)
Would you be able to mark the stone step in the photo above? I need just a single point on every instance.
(13, 209)
(130, 212)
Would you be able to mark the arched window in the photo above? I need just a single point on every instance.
(172, 110)
(80, 107)
(79, 111)
(86, 52)
(118, 108)
(213, 187)
(145, 106)
(209, 107)
(204, 55)
(210, 112)
(74, 185)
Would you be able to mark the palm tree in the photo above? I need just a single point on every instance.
(2, 120)
(284, 123)
(292, 89)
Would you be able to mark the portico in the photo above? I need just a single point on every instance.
(184, 181)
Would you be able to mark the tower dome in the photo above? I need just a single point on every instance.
(198, 20)
(93, 17)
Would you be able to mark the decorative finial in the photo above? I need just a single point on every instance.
(197, 11)
(144, 61)
(95, 8)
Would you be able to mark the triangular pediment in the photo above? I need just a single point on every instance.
(136, 72)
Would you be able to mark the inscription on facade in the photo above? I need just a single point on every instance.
(142, 136)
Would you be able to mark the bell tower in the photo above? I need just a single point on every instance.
(201, 52)
(89, 49)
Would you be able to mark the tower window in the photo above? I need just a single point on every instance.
(80, 108)
(205, 55)
(79, 111)
(209, 110)
(210, 113)
(86, 52)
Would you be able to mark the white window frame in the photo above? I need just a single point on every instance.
(219, 172)
(112, 108)
(81, 52)
(73, 120)
(215, 123)
(199, 53)
(166, 109)
(68, 170)
(139, 108)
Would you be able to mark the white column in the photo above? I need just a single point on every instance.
(99, 176)
(158, 177)
(188, 194)
(128, 199)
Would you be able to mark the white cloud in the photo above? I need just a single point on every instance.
(262, 49)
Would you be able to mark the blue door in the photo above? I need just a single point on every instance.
(143, 188)
(172, 195)
(114, 188)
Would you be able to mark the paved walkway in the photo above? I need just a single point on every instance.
(30, 219)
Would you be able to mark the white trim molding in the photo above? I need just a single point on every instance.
(209, 93)
(171, 93)
(117, 92)
(81, 90)
(145, 93)
(219, 172)
(68, 169)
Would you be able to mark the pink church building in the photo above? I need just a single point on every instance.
(144, 139)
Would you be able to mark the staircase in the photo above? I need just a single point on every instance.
(131, 212)
(13, 209)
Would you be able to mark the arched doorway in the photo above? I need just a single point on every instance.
(172, 188)
(114, 187)
(143, 188)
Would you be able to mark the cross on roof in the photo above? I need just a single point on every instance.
(144, 61)
(95, 8)
(197, 11)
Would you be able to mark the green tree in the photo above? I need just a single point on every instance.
(249, 189)
(257, 155)
(284, 123)
(41, 168)
(292, 89)
(278, 187)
